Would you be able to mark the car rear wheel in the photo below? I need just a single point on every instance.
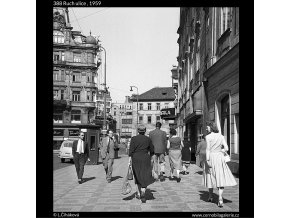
(62, 160)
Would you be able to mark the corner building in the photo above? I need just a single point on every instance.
(75, 66)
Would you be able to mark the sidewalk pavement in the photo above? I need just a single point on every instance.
(96, 195)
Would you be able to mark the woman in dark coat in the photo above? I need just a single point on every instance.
(140, 147)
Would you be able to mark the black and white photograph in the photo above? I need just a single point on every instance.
(145, 109)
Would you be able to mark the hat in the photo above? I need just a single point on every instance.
(141, 128)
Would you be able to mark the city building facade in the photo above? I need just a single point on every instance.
(208, 75)
(75, 69)
(150, 107)
(123, 114)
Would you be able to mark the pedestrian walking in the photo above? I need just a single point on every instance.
(107, 148)
(201, 151)
(80, 152)
(185, 156)
(140, 147)
(216, 173)
(159, 142)
(175, 145)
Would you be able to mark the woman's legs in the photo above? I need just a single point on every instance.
(221, 190)
(210, 192)
(220, 202)
(177, 173)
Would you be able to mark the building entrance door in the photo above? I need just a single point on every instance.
(225, 120)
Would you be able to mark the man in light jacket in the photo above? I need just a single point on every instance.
(107, 148)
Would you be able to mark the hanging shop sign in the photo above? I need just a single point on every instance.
(168, 113)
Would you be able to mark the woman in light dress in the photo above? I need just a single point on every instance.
(175, 145)
(216, 173)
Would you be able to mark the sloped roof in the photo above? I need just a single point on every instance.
(156, 94)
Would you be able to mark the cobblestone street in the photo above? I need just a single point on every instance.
(96, 195)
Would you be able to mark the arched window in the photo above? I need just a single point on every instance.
(225, 120)
(58, 37)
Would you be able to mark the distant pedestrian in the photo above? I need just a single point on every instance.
(216, 171)
(201, 151)
(175, 145)
(140, 147)
(159, 142)
(108, 146)
(185, 155)
(80, 152)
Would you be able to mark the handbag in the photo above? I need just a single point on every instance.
(126, 188)
(227, 157)
(130, 173)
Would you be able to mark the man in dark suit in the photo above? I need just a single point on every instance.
(159, 141)
(107, 148)
(80, 152)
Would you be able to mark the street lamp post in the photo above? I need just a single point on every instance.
(137, 103)
(105, 91)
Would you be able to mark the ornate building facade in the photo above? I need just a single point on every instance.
(75, 66)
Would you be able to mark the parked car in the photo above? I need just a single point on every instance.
(65, 151)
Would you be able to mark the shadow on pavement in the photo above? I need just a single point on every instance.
(132, 196)
(204, 197)
(198, 172)
(115, 178)
(149, 195)
(88, 179)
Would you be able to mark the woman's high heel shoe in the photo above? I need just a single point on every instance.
(220, 203)
(143, 199)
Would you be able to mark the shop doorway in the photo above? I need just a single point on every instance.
(225, 120)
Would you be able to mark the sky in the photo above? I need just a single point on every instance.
(141, 45)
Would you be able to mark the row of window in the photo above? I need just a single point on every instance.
(59, 75)
(149, 106)
(60, 56)
(149, 119)
(59, 94)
